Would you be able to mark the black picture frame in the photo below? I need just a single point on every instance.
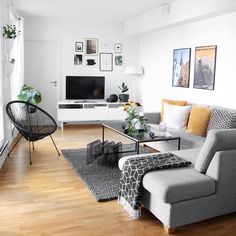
(181, 67)
(106, 61)
(205, 67)
(79, 47)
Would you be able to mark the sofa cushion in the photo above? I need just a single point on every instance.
(172, 102)
(198, 120)
(176, 117)
(222, 119)
(180, 184)
(217, 140)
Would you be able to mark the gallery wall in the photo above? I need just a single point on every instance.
(67, 32)
(156, 55)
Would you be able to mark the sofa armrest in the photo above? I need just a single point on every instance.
(223, 169)
(153, 117)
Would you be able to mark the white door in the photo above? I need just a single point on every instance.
(42, 71)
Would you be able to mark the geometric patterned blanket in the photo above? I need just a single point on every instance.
(134, 169)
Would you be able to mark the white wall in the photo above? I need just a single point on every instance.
(67, 32)
(156, 55)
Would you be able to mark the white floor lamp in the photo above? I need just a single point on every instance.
(135, 71)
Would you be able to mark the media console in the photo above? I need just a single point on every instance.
(83, 112)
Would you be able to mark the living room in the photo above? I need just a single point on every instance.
(51, 45)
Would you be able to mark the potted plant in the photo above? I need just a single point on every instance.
(124, 88)
(10, 31)
(31, 95)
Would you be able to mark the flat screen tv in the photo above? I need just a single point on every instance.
(85, 87)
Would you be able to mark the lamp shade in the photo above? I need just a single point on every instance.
(134, 70)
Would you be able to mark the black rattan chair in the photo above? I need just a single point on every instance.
(32, 122)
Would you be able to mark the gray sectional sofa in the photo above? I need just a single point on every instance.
(203, 190)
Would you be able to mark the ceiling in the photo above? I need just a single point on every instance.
(98, 10)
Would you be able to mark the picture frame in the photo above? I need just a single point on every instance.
(78, 59)
(92, 62)
(181, 67)
(118, 48)
(79, 46)
(91, 46)
(106, 61)
(118, 60)
(204, 67)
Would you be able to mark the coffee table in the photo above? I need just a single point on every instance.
(137, 138)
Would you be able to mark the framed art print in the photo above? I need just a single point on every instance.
(106, 61)
(204, 67)
(91, 47)
(118, 48)
(78, 59)
(181, 67)
(78, 46)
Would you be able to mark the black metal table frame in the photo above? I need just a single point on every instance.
(137, 142)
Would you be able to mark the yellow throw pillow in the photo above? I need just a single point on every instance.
(198, 120)
(171, 102)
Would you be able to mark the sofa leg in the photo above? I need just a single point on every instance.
(169, 230)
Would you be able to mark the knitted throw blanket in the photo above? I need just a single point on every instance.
(134, 169)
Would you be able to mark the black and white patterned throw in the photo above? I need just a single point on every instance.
(134, 169)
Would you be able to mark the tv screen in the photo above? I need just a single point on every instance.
(85, 87)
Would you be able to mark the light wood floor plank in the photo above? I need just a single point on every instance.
(48, 198)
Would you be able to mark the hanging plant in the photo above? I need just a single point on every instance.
(10, 31)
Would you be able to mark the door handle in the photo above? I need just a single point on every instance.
(54, 82)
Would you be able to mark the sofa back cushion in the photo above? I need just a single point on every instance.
(198, 120)
(176, 117)
(222, 119)
(217, 140)
(171, 102)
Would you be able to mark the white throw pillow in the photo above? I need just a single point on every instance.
(176, 117)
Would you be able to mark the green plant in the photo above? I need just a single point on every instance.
(124, 88)
(10, 31)
(29, 94)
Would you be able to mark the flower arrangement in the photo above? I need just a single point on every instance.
(10, 31)
(135, 122)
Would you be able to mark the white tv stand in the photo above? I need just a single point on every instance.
(69, 111)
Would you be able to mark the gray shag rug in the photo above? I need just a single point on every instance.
(102, 181)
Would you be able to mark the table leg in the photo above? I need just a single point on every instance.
(179, 144)
(137, 147)
(102, 133)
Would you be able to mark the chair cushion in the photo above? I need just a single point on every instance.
(217, 140)
(174, 185)
(198, 120)
(222, 119)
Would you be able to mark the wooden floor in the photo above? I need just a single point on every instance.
(48, 197)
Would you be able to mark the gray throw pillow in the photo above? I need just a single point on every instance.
(217, 140)
(222, 119)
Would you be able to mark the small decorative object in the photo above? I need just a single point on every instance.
(30, 94)
(124, 88)
(204, 68)
(118, 60)
(78, 59)
(181, 67)
(162, 128)
(10, 31)
(91, 47)
(135, 122)
(78, 46)
(113, 98)
(106, 61)
(118, 48)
